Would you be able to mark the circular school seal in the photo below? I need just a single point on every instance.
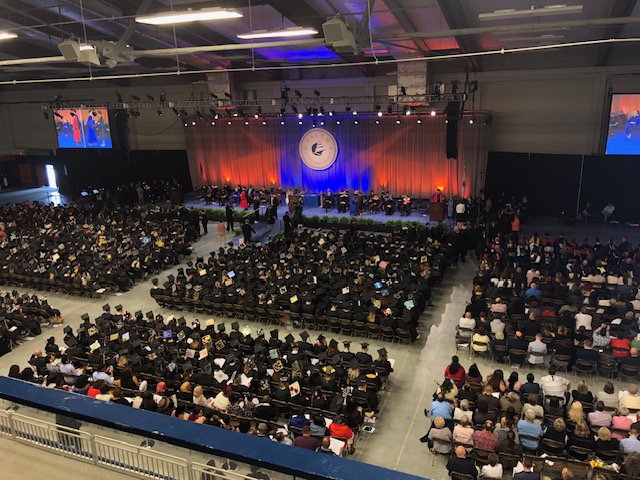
(318, 149)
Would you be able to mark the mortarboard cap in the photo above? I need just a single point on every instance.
(304, 335)
(149, 314)
(274, 333)
(187, 366)
(71, 342)
(230, 358)
(346, 343)
(333, 343)
(382, 352)
(106, 307)
(138, 314)
(68, 330)
(235, 325)
(364, 345)
(335, 359)
(135, 359)
(118, 307)
(322, 356)
(289, 338)
(354, 363)
(221, 327)
(171, 278)
(122, 352)
(85, 317)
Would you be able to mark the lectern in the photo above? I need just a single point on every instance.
(436, 211)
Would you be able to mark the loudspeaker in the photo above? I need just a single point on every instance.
(453, 115)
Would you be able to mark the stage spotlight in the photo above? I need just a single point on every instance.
(419, 121)
(321, 113)
(229, 122)
(199, 113)
(256, 116)
(298, 93)
(313, 124)
(389, 109)
(322, 123)
(281, 122)
(213, 95)
(283, 111)
(163, 97)
(300, 122)
(213, 123)
(246, 122)
(150, 98)
(338, 122)
(314, 112)
(433, 113)
(403, 91)
(356, 122)
(377, 122)
(471, 120)
(309, 112)
(347, 108)
(316, 93)
(332, 113)
(264, 122)
(355, 112)
(193, 123)
(398, 122)
(300, 115)
(159, 112)
(294, 109)
(185, 124)
(175, 110)
(407, 111)
(216, 116)
(379, 114)
(45, 114)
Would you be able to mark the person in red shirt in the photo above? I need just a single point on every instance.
(95, 388)
(455, 371)
(620, 347)
(338, 429)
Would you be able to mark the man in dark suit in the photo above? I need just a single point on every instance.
(461, 464)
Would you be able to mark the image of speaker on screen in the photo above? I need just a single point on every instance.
(623, 136)
(97, 130)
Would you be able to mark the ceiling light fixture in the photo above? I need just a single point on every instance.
(7, 36)
(205, 14)
(531, 12)
(287, 32)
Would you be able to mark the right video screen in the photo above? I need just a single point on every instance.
(623, 137)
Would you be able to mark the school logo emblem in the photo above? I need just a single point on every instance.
(318, 149)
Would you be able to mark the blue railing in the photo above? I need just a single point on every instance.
(239, 447)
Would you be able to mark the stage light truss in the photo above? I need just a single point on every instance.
(276, 103)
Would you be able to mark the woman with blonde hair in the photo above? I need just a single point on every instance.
(442, 436)
(582, 394)
(605, 442)
(576, 413)
(582, 438)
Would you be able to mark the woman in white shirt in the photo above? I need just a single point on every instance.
(493, 469)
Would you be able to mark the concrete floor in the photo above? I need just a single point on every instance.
(418, 368)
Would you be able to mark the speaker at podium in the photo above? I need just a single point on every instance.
(436, 207)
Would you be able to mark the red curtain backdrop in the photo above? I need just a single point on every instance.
(406, 158)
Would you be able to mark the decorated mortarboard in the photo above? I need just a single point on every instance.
(289, 338)
(277, 366)
(210, 322)
(304, 335)
(181, 336)
(167, 334)
(114, 337)
(328, 370)
(382, 351)
(283, 290)
(92, 331)
(219, 344)
(333, 343)
(190, 353)
(85, 317)
(71, 342)
(171, 366)
(206, 367)
(125, 337)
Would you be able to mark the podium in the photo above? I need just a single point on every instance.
(293, 201)
(436, 211)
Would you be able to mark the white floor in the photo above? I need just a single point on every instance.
(393, 445)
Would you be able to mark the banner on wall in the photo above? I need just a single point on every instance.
(318, 149)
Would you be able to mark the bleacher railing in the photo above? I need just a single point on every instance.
(205, 452)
